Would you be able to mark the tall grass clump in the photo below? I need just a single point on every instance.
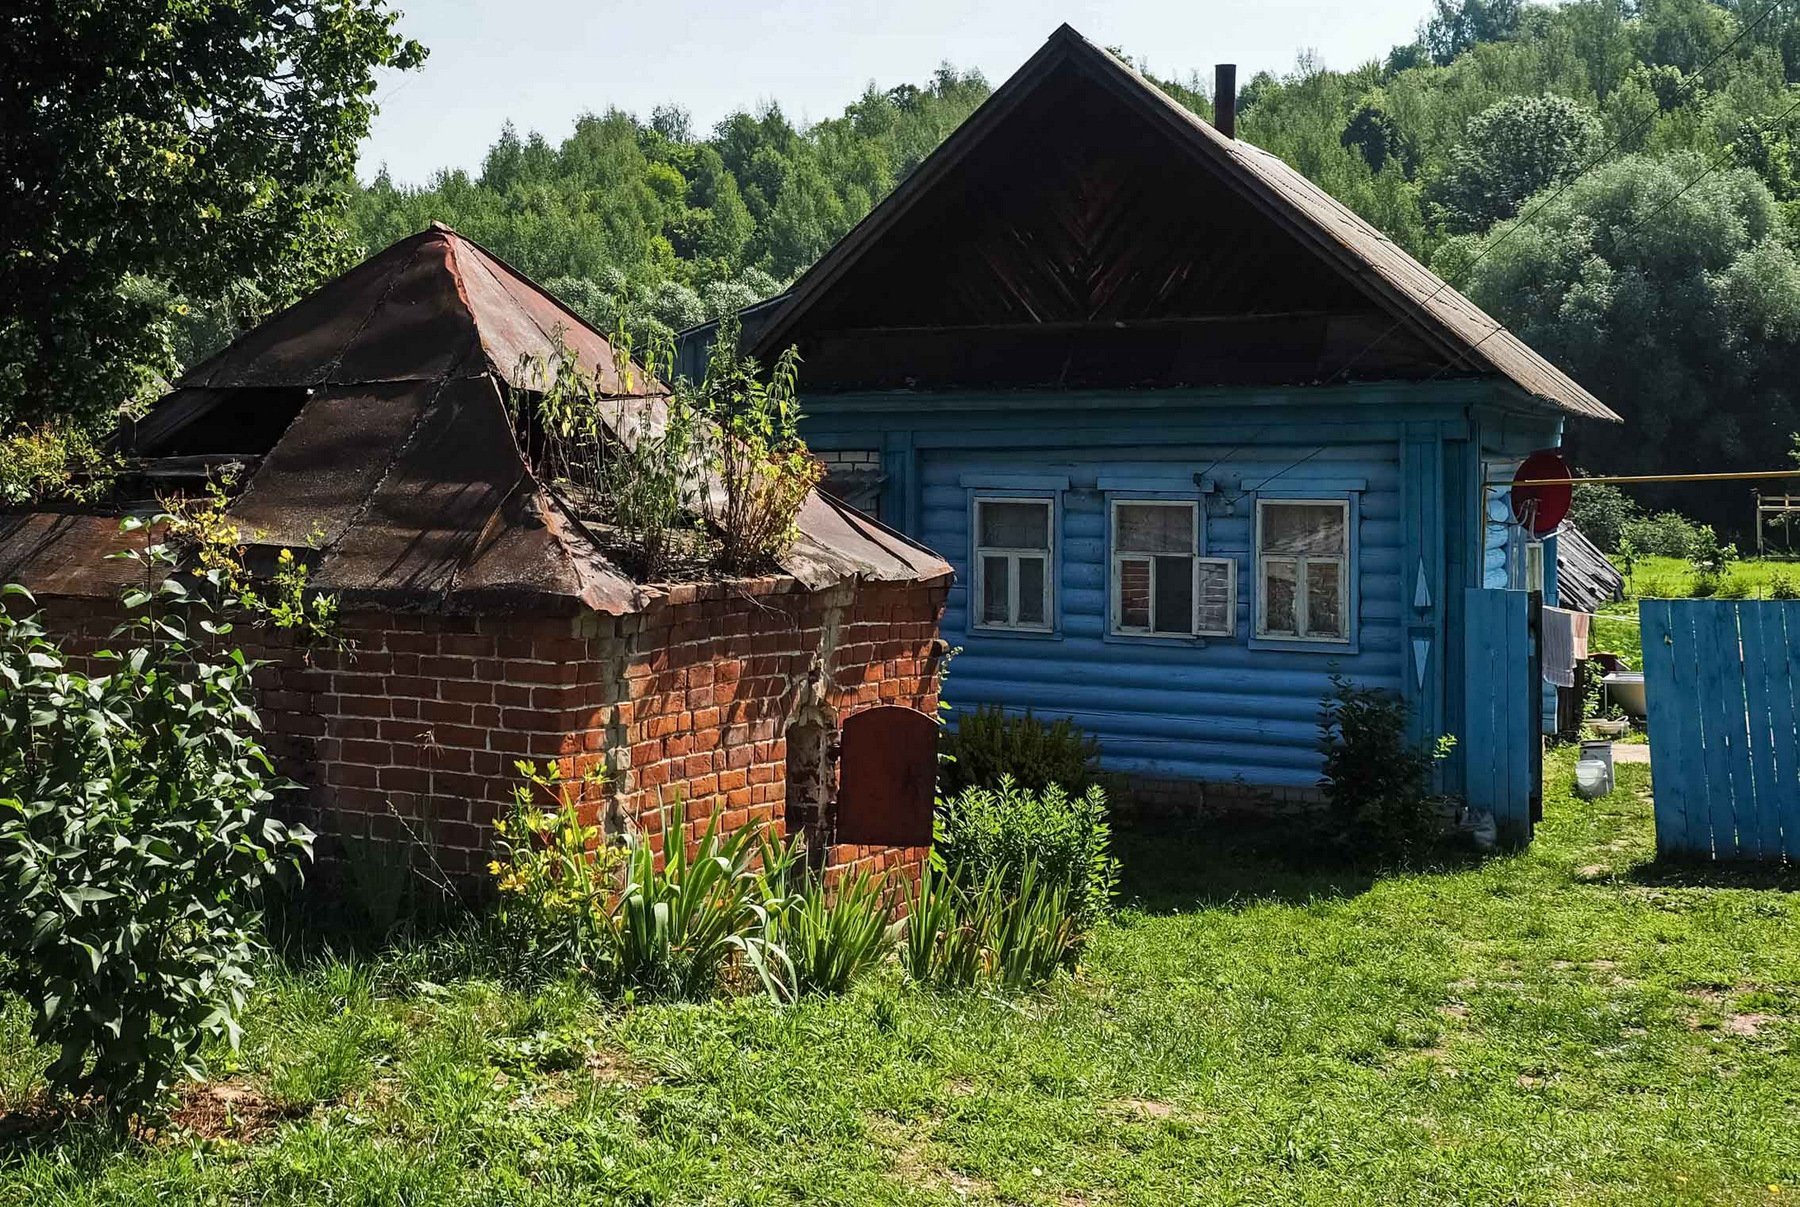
(961, 932)
(833, 934)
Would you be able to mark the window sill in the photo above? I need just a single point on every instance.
(1179, 640)
(1302, 645)
(1015, 634)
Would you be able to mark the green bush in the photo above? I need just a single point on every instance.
(1781, 586)
(989, 743)
(136, 839)
(1377, 783)
(1000, 831)
(1665, 534)
(1602, 512)
(556, 874)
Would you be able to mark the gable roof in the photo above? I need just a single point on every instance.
(387, 448)
(1419, 304)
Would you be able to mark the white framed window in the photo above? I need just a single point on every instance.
(1304, 590)
(1014, 564)
(1161, 586)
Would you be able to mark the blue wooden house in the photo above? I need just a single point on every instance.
(1194, 436)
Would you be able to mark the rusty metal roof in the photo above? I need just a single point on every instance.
(1418, 303)
(396, 463)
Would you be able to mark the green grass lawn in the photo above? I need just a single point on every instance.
(1615, 626)
(1574, 1024)
(1673, 578)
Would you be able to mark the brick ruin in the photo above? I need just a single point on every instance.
(723, 698)
(486, 624)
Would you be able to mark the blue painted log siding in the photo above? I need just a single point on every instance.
(1211, 710)
(1214, 710)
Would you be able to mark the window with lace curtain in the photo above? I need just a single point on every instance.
(1303, 570)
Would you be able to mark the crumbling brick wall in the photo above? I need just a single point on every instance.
(686, 705)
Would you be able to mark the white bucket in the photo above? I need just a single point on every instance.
(1593, 778)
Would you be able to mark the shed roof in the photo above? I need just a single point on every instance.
(1415, 304)
(1585, 580)
(386, 448)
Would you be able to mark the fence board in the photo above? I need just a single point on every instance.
(1784, 727)
(1672, 789)
(1723, 711)
(1501, 709)
(1760, 834)
(1721, 719)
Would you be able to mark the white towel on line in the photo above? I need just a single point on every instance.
(1565, 642)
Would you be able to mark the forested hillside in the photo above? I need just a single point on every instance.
(1616, 179)
(1650, 145)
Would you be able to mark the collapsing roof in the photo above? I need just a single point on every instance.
(374, 414)
(1081, 228)
(1585, 580)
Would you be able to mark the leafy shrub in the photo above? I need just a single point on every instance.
(990, 743)
(134, 817)
(54, 462)
(763, 468)
(642, 479)
(1002, 831)
(727, 451)
(1781, 586)
(1666, 534)
(960, 931)
(556, 875)
(833, 934)
(1602, 511)
(1377, 783)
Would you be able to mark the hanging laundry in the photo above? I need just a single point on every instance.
(1565, 642)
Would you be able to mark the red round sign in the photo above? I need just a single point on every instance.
(1539, 509)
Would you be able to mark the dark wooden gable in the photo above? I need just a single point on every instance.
(1075, 245)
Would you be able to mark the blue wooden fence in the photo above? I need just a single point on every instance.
(1719, 681)
(1503, 750)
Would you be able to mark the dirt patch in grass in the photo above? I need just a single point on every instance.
(1748, 1024)
(1139, 1110)
(912, 1163)
(228, 1110)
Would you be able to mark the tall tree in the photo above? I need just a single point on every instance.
(1671, 293)
(1510, 151)
(191, 143)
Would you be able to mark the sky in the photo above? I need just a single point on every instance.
(542, 63)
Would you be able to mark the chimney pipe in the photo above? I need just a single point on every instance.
(1225, 99)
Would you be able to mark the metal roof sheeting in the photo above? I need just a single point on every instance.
(400, 471)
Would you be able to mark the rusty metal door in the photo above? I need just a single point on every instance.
(887, 777)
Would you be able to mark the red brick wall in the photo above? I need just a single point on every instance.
(685, 704)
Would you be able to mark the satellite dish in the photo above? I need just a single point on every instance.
(1540, 509)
